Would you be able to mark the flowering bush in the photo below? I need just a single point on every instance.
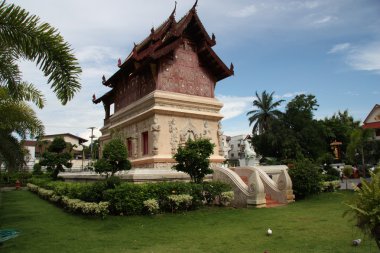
(32, 187)
(152, 206)
(330, 186)
(45, 194)
(181, 201)
(73, 205)
(226, 197)
(79, 206)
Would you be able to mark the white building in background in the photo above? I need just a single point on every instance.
(37, 148)
(233, 148)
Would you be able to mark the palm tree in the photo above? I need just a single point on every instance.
(23, 36)
(16, 117)
(266, 112)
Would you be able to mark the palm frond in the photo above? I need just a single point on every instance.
(27, 92)
(17, 116)
(40, 42)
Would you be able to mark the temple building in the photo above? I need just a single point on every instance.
(163, 93)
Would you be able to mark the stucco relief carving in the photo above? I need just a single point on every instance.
(220, 138)
(155, 128)
(188, 132)
(173, 136)
(135, 145)
(206, 130)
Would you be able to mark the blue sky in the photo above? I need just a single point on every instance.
(328, 48)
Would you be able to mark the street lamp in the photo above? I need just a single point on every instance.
(92, 136)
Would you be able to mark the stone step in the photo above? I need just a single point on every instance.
(270, 202)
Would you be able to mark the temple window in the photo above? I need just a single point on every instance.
(144, 137)
(129, 145)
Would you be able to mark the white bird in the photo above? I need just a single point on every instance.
(269, 232)
(356, 242)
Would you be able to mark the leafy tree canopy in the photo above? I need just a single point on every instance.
(193, 159)
(57, 157)
(114, 158)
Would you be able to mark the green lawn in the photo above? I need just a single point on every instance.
(313, 225)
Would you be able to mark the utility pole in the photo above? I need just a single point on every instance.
(92, 136)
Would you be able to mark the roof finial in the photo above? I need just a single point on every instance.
(195, 4)
(152, 30)
(232, 67)
(103, 79)
(119, 62)
(175, 7)
(213, 37)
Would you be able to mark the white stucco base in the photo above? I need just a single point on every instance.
(134, 175)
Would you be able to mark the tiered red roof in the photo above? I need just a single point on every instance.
(163, 40)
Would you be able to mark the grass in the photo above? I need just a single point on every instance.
(313, 225)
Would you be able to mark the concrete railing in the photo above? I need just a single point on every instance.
(251, 184)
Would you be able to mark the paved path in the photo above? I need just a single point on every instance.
(349, 184)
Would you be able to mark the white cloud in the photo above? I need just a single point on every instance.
(244, 12)
(339, 48)
(234, 105)
(366, 57)
(324, 20)
(96, 54)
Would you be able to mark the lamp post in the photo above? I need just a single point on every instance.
(92, 136)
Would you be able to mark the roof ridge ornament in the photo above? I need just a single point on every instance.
(175, 8)
(195, 4)
(103, 79)
(232, 67)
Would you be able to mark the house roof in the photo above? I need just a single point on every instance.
(377, 106)
(81, 140)
(166, 38)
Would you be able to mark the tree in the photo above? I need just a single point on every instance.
(365, 206)
(308, 131)
(114, 158)
(23, 36)
(266, 112)
(16, 117)
(193, 159)
(306, 178)
(57, 157)
(358, 140)
(339, 127)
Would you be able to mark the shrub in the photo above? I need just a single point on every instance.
(180, 202)
(37, 169)
(87, 208)
(330, 186)
(128, 198)
(365, 207)
(73, 205)
(348, 170)
(10, 178)
(193, 159)
(152, 206)
(114, 158)
(226, 198)
(212, 191)
(306, 178)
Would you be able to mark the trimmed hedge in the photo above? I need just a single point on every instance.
(70, 204)
(129, 198)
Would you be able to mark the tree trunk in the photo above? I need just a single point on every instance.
(376, 235)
